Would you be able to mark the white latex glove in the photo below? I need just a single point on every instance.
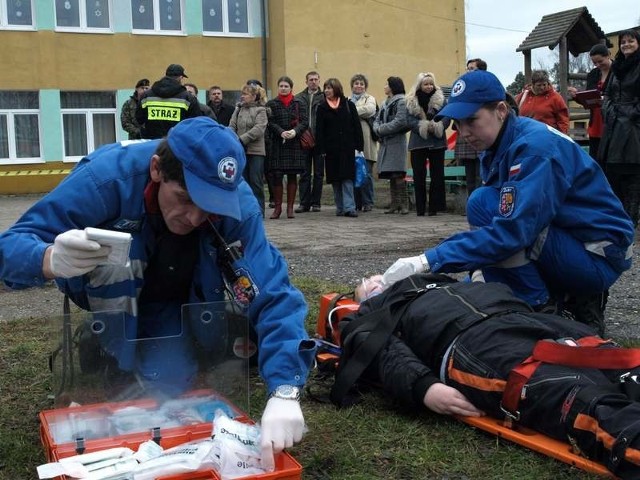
(405, 267)
(282, 425)
(72, 254)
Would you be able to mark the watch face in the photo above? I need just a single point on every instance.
(287, 392)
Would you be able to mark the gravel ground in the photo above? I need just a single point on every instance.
(314, 251)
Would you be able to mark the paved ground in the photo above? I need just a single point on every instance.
(338, 249)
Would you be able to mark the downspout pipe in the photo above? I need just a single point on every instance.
(263, 21)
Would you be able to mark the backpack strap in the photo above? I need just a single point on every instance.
(380, 325)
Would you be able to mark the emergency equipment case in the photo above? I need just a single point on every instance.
(89, 416)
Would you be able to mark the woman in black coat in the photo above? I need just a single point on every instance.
(338, 136)
(620, 144)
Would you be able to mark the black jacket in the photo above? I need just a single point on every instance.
(442, 309)
(222, 114)
(165, 104)
(621, 110)
(338, 136)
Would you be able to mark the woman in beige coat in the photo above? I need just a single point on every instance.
(367, 108)
(249, 121)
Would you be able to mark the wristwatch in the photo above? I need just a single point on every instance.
(286, 392)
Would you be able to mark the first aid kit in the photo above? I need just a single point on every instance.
(180, 427)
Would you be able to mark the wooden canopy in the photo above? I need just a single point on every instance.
(574, 30)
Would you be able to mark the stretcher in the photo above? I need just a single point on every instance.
(334, 308)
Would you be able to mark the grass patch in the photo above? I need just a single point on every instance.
(371, 440)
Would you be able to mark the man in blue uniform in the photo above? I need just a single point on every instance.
(170, 195)
(545, 222)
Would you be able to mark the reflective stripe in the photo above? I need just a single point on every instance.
(474, 381)
(517, 260)
(538, 244)
(598, 248)
(590, 424)
(109, 274)
(165, 102)
(124, 304)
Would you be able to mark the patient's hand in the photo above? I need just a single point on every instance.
(448, 401)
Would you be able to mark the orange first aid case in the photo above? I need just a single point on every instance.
(326, 328)
(94, 419)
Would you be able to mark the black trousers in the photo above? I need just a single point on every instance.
(437, 195)
(578, 405)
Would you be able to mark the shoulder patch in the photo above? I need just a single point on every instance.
(507, 201)
(244, 289)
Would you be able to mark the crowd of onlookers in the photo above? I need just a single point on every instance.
(313, 136)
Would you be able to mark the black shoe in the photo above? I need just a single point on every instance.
(367, 208)
(589, 309)
(302, 209)
(315, 208)
(339, 214)
(351, 214)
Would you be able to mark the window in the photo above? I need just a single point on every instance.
(229, 17)
(157, 15)
(16, 14)
(83, 15)
(88, 121)
(19, 127)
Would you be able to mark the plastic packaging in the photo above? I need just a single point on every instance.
(236, 448)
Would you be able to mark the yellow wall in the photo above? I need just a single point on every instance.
(379, 39)
(70, 61)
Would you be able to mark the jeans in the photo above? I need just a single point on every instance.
(311, 180)
(343, 196)
(253, 174)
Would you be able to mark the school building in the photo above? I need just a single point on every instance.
(69, 65)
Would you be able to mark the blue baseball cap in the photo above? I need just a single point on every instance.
(470, 92)
(212, 160)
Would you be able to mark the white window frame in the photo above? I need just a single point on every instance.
(83, 28)
(89, 132)
(11, 130)
(156, 22)
(225, 23)
(4, 17)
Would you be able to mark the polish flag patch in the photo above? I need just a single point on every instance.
(514, 170)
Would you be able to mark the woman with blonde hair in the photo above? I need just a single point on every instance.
(427, 142)
(249, 121)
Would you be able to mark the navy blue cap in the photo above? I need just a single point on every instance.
(212, 159)
(470, 92)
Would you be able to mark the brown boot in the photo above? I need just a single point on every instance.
(277, 199)
(403, 196)
(393, 190)
(292, 188)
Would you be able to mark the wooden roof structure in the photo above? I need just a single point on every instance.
(574, 30)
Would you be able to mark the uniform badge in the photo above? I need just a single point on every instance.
(243, 289)
(507, 201)
(227, 169)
